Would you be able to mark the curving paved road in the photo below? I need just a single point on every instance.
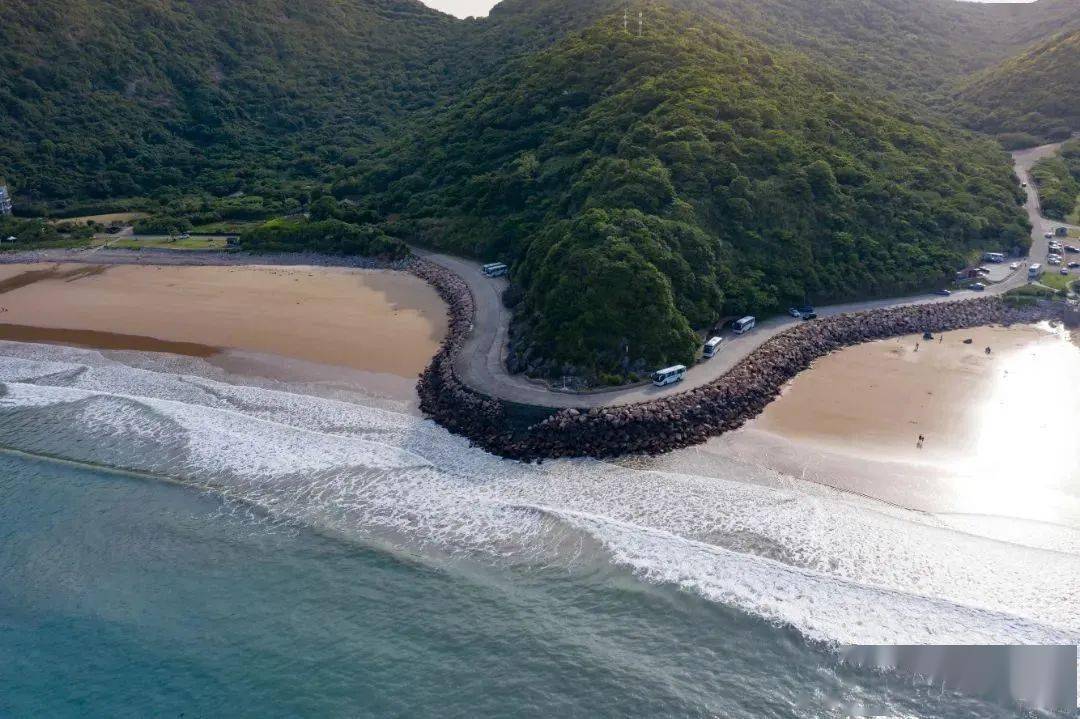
(481, 363)
(1022, 162)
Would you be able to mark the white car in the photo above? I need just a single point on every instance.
(1053, 260)
(1048, 235)
(1064, 270)
(1014, 266)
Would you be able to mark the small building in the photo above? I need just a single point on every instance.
(5, 200)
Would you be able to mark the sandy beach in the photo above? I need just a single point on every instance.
(372, 320)
(998, 429)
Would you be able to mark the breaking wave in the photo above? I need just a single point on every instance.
(838, 568)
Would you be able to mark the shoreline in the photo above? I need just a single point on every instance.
(103, 340)
(278, 319)
(684, 419)
(529, 433)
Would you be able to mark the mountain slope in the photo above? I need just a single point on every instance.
(109, 98)
(1037, 92)
(897, 45)
(1058, 178)
(116, 98)
(646, 186)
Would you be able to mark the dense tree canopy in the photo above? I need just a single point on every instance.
(115, 98)
(738, 156)
(110, 99)
(1036, 93)
(730, 177)
(329, 237)
(1058, 179)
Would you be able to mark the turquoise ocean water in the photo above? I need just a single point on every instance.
(172, 544)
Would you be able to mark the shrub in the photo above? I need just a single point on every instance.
(331, 237)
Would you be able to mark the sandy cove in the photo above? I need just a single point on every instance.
(376, 321)
(392, 322)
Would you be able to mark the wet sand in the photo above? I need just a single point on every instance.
(999, 429)
(371, 320)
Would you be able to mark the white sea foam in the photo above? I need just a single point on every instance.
(837, 568)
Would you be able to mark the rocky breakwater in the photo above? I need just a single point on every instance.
(690, 417)
(442, 395)
(744, 391)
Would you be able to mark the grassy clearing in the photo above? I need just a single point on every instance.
(191, 243)
(234, 227)
(63, 242)
(120, 218)
(1056, 281)
(1028, 295)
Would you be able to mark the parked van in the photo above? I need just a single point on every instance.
(668, 375)
(744, 325)
(711, 346)
(495, 269)
(1035, 271)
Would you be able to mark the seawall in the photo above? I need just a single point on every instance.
(679, 420)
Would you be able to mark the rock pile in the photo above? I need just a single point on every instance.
(442, 395)
(683, 419)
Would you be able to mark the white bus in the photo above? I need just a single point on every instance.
(668, 375)
(743, 325)
(1035, 271)
(994, 256)
(495, 269)
(711, 346)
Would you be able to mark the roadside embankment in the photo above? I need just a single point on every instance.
(680, 420)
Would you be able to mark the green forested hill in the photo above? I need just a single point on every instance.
(113, 98)
(1058, 178)
(103, 99)
(895, 45)
(645, 186)
(1037, 92)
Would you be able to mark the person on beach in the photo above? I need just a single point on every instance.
(916, 346)
(919, 443)
(987, 350)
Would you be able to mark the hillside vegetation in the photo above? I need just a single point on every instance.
(1058, 179)
(1036, 93)
(738, 156)
(910, 46)
(646, 186)
(115, 98)
(179, 102)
